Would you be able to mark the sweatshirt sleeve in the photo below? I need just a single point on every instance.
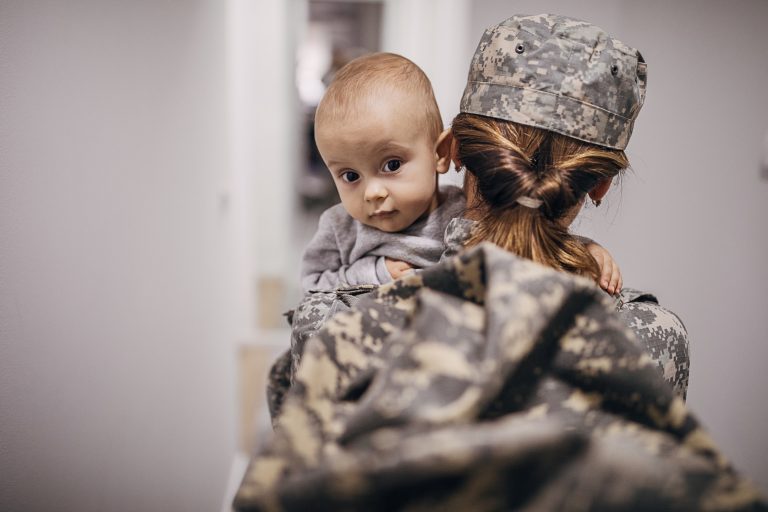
(382, 273)
(366, 270)
(322, 267)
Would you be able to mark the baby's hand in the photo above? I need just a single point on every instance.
(397, 268)
(610, 274)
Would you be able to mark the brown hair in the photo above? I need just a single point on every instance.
(364, 77)
(510, 160)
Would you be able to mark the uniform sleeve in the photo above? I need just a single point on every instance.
(663, 336)
(322, 267)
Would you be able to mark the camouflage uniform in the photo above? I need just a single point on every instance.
(487, 382)
(660, 332)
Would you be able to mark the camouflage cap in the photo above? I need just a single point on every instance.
(560, 74)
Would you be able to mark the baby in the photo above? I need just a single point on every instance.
(380, 133)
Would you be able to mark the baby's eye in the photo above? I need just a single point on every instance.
(392, 166)
(350, 176)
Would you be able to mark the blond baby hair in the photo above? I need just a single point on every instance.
(363, 78)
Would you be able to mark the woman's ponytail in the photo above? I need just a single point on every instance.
(526, 182)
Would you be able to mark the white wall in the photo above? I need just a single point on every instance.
(266, 117)
(121, 282)
(690, 222)
(434, 35)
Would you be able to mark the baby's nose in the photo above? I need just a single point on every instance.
(375, 190)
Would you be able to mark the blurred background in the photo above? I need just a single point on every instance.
(158, 182)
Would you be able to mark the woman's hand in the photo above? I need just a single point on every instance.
(610, 274)
(399, 268)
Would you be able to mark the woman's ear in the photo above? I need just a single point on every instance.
(443, 148)
(598, 191)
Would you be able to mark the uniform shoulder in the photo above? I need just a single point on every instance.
(647, 311)
(632, 295)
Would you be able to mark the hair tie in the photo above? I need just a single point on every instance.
(529, 202)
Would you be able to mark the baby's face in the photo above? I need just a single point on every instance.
(383, 163)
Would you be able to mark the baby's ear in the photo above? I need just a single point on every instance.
(443, 151)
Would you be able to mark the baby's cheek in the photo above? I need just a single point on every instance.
(353, 208)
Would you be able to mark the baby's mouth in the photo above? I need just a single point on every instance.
(383, 213)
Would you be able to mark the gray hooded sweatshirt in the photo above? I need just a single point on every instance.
(345, 252)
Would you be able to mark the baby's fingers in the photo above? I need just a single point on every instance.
(606, 270)
(616, 280)
(610, 275)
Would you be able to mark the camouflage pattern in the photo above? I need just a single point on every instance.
(311, 314)
(560, 74)
(485, 383)
(661, 334)
(659, 330)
